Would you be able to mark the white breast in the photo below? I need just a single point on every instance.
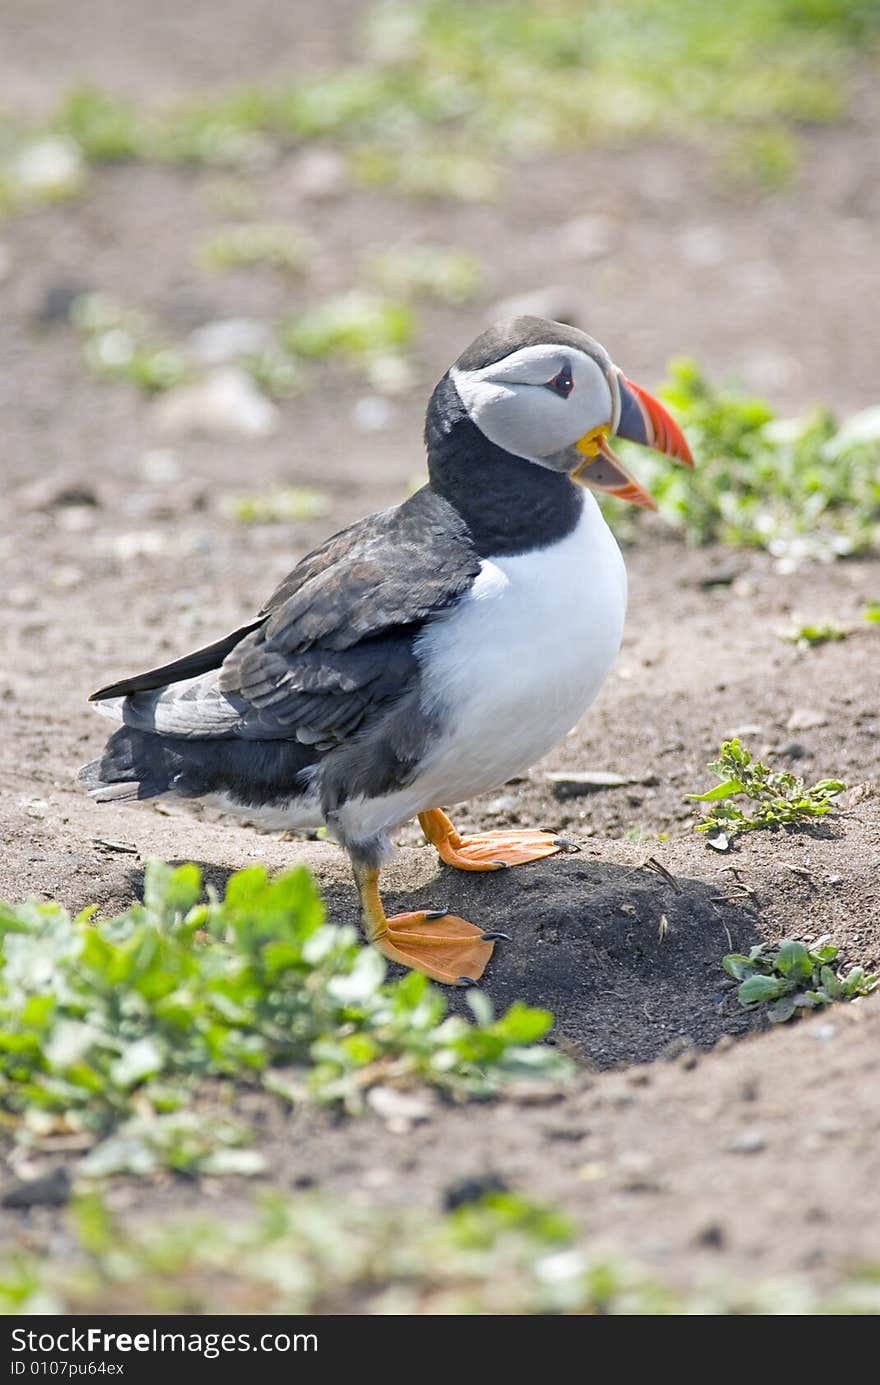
(512, 668)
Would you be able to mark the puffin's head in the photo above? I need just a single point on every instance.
(549, 393)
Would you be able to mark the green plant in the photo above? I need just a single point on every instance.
(872, 612)
(101, 1022)
(809, 636)
(778, 798)
(356, 325)
(255, 243)
(500, 1253)
(280, 505)
(118, 345)
(796, 489)
(426, 271)
(791, 978)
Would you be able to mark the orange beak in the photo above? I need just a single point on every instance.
(638, 417)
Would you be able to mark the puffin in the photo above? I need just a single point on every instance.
(427, 653)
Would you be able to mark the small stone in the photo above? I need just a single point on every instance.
(552, 302)
(805, 719)
(66, 577)
(575, 783)
(795, 750)
(586, 237)
(58, 300)
(822, 1032)
(703, 246)
(225, 403)
(400, 1111)
(50, 167)
(371, 414)
(226, 340)
(141, 543)
(390, 374)
(160, 467)
(320, 174)
(466, 1190)
(37, 807)
(750, 1141)
(51, 1190)
(711, 1236)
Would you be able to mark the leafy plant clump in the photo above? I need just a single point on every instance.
(801, 490)
(791, 978)
(778, 798)
(118, 345)
(102, 1022)
(500, 1253)
(252, 244)
(811, 636)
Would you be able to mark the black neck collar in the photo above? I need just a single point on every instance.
(508, 504)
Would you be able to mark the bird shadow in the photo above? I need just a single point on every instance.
(627, 960)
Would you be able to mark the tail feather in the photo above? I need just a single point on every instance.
(141, 764)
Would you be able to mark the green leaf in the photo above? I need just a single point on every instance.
(725, 790)
(737, 966)
(793, 960)
(782, 1009)
(758, 988)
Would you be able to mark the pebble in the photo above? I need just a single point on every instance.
(51, 1190)
(552, 302)
(795, 750)
(159, 466)
(319, 174)
(227, 340)
(371, 414)
(225, 403)
(587, 237)
(139, 543)
(805, 719)
(400, 1111)
(576, 783)
(750, 1141)
(702, 246)
(49, 166)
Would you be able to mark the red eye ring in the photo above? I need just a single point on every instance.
(562, 384)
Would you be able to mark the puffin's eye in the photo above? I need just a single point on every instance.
(561, 383)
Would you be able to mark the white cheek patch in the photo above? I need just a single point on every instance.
(511, 407)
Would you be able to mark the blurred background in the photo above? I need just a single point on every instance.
(360, 186)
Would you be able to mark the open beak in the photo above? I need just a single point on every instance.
(638, 417)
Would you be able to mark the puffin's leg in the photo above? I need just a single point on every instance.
(445, 947)
(488, 850)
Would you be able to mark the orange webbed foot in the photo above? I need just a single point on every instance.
(489, 850)
(445, 947)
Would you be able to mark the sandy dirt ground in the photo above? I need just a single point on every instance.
(694, 1142)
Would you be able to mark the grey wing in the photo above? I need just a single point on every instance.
(334, 648)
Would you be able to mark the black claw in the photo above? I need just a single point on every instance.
(500, 865)
(431, 915)
(465, 981)
(494, 936)
(563, 841)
